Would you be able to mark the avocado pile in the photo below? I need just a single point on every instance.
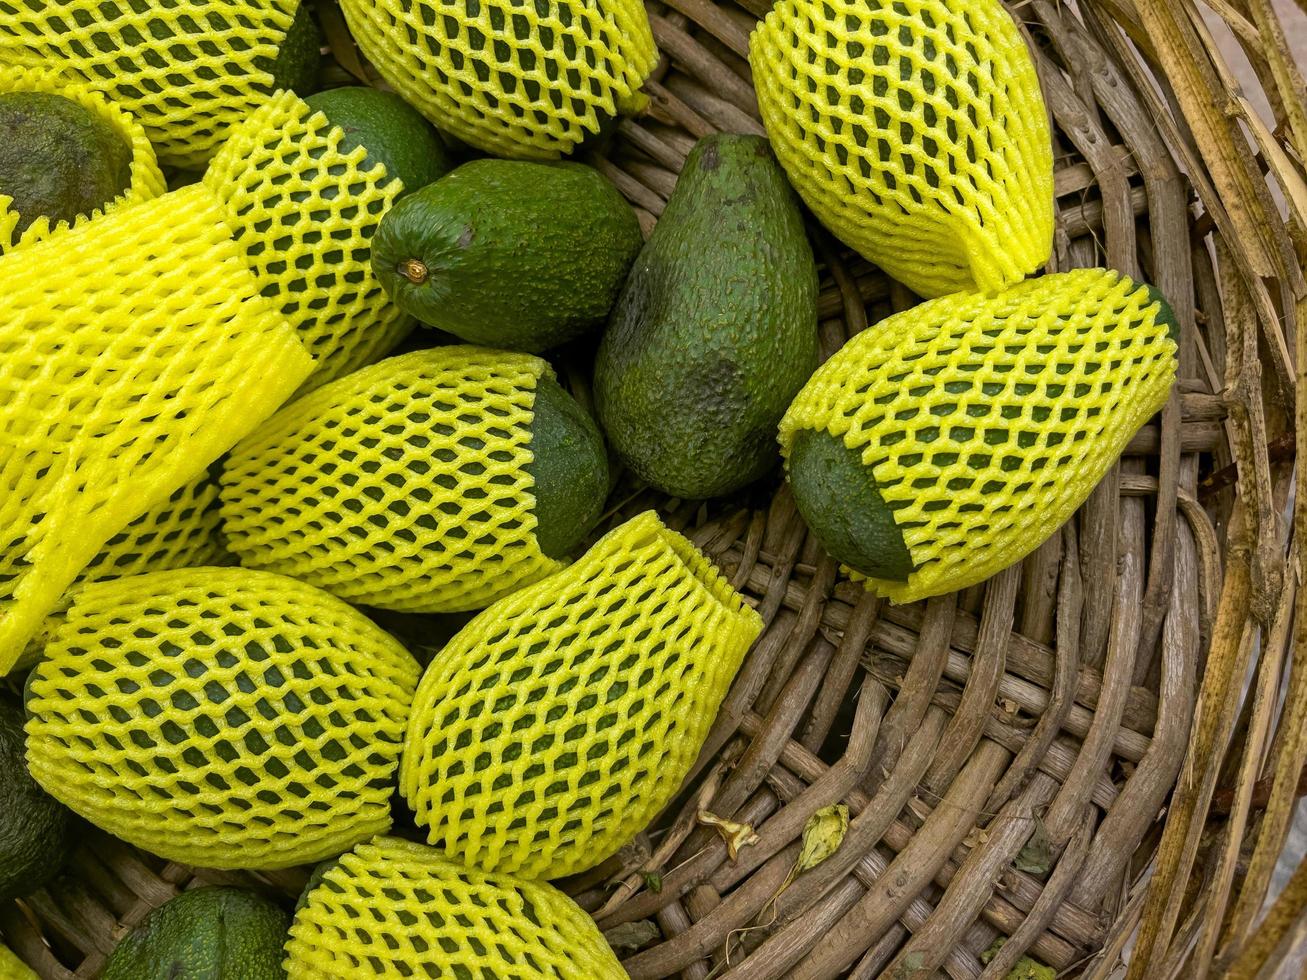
(506, 351)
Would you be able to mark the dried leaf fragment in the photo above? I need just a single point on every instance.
(822, 836)
(1026, 968)
(911, 963)
(1036, 857)
(736, 835)
(632, 935)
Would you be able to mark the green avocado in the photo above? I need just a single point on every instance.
(1165, 314)
(716, 328)
(205, 934)
(58, 158)
(300, 55)
(319, 872)
(391, 131)
(838, 497)
(508, 253)
(569, 467)
(35, 829)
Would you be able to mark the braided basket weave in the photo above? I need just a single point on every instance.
(1097, 750)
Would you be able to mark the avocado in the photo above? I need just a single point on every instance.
(205, 934)
(320, 871)
(716, 328)
(35, 829)
(392, 131)
(511, 254)
(838, 497)
(300, 55)
(1165, 314)
(569, 467)
(58, 158)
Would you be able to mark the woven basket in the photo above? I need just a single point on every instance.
(1097, 749)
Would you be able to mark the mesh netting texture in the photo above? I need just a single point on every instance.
(987, 420)
(221, 717)
(558, 722)
(134, 350)
(916, 132)
(189, 70)
(146, 179)
(305, 211)
(404, 485)
(181, 532)
(393, 908)
(514, 79)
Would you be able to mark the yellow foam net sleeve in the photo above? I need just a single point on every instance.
(12, 968)
(220, 717)
(305, 210)
(393, 908)
(404, 485)
(915, 131)
(134, 350)
(526, 80)
(189, 70)
(146, 179)
(182, 531)
(558, 722)
(987, 420)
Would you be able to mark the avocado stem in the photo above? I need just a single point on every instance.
(414, 270)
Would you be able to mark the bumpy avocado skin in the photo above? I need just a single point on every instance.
(1165, 315)
(300, 56)
(58, 158)
(205, 934)
(569, 468)
(716, 328)
(512, 254)
(391, 131)
(838, 497)
(35, 829)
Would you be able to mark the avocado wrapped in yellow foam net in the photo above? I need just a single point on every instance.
(189, 70)
(146, 179)
(304, 210)
(525, 80)
(134, 350)
(915, 131)
(393, 908)
(181, 532)
(221, 717)
(406, 485)
(987, 420)
(557, 723)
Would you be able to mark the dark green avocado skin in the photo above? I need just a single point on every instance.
(569, 467)
(300, 55)
(716, 328)
(35, 829)
(57, 158)
(391, 131)
(838, 497)
(205, 934)
(518, 255)
(1165, 315)
(320, 871)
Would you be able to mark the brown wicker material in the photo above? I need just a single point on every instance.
(1047, 717)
